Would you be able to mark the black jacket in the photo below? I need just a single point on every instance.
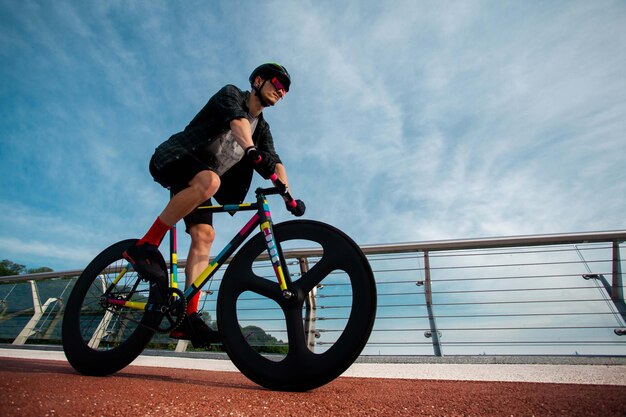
(227, 104)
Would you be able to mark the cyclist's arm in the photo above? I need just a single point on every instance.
(242, 132)
(282, 174)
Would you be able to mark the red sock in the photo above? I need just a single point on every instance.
(192, 305)
(156, 233)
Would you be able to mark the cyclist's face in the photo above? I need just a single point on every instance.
(279, 87)
(272, 90)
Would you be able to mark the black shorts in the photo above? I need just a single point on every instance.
(176, 176)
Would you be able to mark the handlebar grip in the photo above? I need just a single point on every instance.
(293, 203)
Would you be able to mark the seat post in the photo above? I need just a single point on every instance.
(173, 254)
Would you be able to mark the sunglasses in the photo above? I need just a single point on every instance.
(278, 85)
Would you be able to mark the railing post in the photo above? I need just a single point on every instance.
(58, 319)
(181, 346)
(433, 333)
(310, 302)
(101, 330)
(617, 294)
(29, 329)
(616, 290)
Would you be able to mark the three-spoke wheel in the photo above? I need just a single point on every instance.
(297, 364)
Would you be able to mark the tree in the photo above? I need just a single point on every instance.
(10, 268)
(39, 270)
(263, 342)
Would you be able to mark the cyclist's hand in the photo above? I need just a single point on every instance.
(261, 161)
(297, 210)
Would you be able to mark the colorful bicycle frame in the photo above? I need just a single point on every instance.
(262, 218)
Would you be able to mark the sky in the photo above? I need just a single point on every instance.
(406, 121)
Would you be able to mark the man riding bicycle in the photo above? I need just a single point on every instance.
(213, 157)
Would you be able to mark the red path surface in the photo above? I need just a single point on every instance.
(52, 388)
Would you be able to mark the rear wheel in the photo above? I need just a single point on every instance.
(100, 338)
(299, 363)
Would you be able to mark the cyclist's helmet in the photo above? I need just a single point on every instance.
(270, 70)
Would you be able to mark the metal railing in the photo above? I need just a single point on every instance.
(560, 294)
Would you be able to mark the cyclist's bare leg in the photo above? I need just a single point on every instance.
(201, 187)
(144, 256)
(202, 236)
(195, 328)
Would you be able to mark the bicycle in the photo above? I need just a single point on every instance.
(112, 314)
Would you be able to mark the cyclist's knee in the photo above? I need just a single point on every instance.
(202, 235)
(206, 184)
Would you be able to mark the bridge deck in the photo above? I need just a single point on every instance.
(35, 382)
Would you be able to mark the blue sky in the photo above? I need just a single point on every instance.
(406, 120)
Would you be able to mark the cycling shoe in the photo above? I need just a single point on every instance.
(193, 328)
(146, 260)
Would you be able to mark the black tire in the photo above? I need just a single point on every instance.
(299, 369)
(123, 338)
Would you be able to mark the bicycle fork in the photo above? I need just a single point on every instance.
(274, 251)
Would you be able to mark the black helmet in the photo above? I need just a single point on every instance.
(270, 70)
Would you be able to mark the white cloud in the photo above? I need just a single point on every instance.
(45, 251)
(406, 121)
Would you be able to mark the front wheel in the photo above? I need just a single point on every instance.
(100, 338)
(278, 342)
